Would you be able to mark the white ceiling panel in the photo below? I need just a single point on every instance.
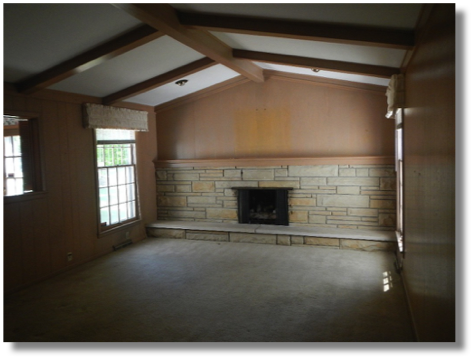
(315, 49)
(40, 36)
(325, 74)
(402, 16)
(196, 82)
(150, 60)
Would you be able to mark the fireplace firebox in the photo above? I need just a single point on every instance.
(263, 205)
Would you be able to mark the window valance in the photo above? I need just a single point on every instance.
(395, 94)
(99, 116)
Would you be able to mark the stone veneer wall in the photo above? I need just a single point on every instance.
(343, 196)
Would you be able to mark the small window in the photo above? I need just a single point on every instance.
(21, 156)
(116, 177)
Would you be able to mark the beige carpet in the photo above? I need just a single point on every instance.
(167, 290)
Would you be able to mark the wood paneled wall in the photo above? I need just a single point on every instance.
(429, 179)
(277, 119)
(40, 231)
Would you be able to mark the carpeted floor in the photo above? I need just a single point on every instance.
(164, 290)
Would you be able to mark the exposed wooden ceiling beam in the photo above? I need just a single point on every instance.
(336, 33)
(89, 59)
(322, 64)
(163, 17)
(159, 80)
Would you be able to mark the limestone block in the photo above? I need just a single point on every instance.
(328, 188)
(232, 174)
(161, 175)
(320, 170)
(382, 172)
(297, 240)
(166, 233)
(219, 213)
(230, 184)
(210, 169)
(336, 209)
(367, 245)
(387, 219)
(284, 240)
(353, 181)
(165, 188)
(372, 219)
(363, 212)
(225, 198)
(317, 219)
(310, 240)
(266, 174)
(343, 200)
(186, 176)
(207, 235)
(183, 188)
(187, 214)
(211, 176)
(202, 200)
(353, 223)
(294, 184)
(230, 204)
(298, 216)
(348, 190)
(229, 192)
(382, 204)
(281, 172)
(313, 181)
(203, 186)
(252, 238)
(362, 172)
(301, 201)
(387, 183)
(171, 201)
(347, 172)
(303, 193)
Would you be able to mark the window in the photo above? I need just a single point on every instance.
(116, 175)
(399, 169)
(13, 172)
(21, 156)
(114, 130)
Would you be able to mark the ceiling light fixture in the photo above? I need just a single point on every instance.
(181, 82)
(315, 70)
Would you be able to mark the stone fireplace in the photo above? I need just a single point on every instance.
(347, 196)
(263, 205)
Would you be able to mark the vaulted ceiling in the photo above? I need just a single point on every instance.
(136, 52)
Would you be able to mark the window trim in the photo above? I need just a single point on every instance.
(38, 176)
(399, 168)
(106, 230)
(13, 157)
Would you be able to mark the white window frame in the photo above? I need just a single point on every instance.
(399, 171)
(118, 194)
(13, 181)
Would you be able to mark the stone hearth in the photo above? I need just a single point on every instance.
(364, 240)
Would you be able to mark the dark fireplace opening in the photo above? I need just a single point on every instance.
(263, 205)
